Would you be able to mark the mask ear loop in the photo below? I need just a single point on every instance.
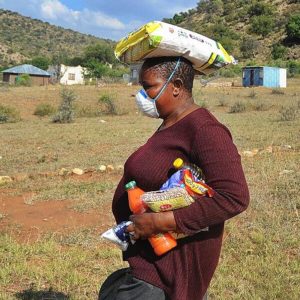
(169, 79)
(165, 85)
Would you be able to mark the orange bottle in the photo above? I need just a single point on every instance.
(161, 242)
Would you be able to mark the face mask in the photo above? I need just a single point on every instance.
(146, 104)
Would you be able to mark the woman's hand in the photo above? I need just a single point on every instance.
(145, 225)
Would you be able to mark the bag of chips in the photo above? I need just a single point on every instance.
(157, 39)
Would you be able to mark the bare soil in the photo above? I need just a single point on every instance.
(28, 222)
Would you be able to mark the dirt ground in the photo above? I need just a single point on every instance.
(29, 221)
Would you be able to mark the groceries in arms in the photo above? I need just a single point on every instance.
(157, 39)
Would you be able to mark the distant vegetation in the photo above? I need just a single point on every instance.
(254, 32)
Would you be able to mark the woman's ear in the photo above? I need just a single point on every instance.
(178, 85)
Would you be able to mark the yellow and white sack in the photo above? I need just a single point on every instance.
(161, 39)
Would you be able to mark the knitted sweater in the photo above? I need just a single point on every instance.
(185, 272)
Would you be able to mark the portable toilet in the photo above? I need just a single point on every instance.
(272, 77)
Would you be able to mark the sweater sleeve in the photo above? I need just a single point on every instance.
(213, 150)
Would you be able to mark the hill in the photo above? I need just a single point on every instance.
(262, 31)
(23, 38)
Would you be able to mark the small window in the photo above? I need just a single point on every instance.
(261, 73)
(71, 76)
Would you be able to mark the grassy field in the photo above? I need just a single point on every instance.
(60, 256)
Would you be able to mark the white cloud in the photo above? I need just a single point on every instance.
(55, 10)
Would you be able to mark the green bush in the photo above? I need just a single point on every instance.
(23, 80)
(237, 107)
(260, 8)
(278, 51)
(44, 109)
(293, 27)
(249, 47)
(9, 114)
(262, 25)
(65, 112)
(109, 106)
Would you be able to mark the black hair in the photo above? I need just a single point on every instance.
(165, 66)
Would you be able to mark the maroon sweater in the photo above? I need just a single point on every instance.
(185, 272)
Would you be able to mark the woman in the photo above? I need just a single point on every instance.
(193, 134)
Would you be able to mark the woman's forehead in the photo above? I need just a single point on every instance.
(150, 74)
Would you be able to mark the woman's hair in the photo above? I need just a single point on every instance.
(165, 66)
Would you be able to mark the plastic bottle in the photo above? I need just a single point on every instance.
(196, 171)
(161, 242)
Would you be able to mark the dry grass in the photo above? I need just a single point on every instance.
(260, 258)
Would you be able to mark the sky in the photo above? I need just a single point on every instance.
(111, 19)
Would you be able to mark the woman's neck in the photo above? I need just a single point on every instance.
(178, 114)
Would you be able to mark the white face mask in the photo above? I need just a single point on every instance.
(146, 104)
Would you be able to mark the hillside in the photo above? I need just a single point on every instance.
(22, 38)
(252, 31)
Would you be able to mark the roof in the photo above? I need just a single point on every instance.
(253, 67)
(26, 69)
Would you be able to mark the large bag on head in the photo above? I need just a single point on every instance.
(157, 39)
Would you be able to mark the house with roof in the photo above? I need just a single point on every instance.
(37, 76)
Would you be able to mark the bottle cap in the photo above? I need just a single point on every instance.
(130, 185)
(178, 163)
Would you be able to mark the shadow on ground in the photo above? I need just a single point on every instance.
(33, 294)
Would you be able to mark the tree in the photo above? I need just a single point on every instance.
(260, 8)
(100, 52)
(278, 51)
(96, 69)
(249, 47)
(262, 25)
(293, 27)
(40, 62)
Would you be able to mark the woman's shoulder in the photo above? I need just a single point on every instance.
(202, 116)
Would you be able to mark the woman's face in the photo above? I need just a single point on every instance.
(152, 83)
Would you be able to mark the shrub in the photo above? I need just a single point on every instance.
(293, 27)
(260, 8)
(237, 107)
(288, 113)
(278, 51)
(44, 109)
(277, 92)
(65, 112)
(260, 106)
(23, 80)
(9, 114)
(87, 112)
(252, 94)
(109, 104)
(249, 47)
(262, 25)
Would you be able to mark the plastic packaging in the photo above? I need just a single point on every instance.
(118, 235)
(196, 171)
(193, 178)
(162, 242)
(156, 39)
(168, 199)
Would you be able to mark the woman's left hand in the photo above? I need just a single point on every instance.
(146, 225)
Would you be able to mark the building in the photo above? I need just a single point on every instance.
(71, 75)
(37, 76)
(264, 76)
(134, 73)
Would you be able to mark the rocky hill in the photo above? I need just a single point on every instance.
(262, 31)
(23, 38)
